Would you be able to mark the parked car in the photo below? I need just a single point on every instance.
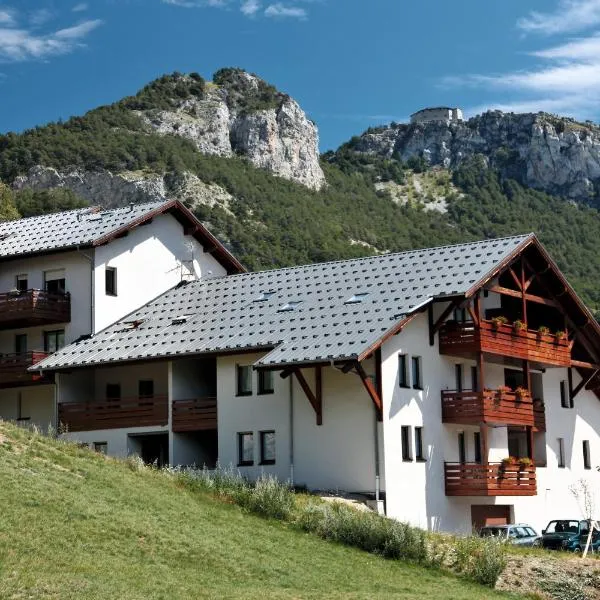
(519, 534)
(569, 534)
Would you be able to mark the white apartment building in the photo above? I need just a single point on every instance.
(68, 275)
(410, 378)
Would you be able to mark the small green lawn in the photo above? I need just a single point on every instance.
(75, 524)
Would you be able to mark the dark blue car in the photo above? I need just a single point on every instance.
(570, 535)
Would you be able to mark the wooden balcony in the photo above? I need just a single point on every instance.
(198, 414)
(539, 417)
(489, 406)
(33, 307)
(494, 479)
(13, 368)
(113, 414)
(466, 339)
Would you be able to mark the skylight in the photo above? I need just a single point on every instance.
(180, 319)
(360, 297)
(289, 306)
(264, 296)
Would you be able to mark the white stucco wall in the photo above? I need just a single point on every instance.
(37, 405)
(149, 260)
(336, 455)
(415, 491)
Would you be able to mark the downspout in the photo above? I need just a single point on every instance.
(377, 474)
(291, 431)
(92, 261)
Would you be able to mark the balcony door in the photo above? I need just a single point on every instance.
(55, 281)
(513, 378)
(517, 442)
(21, 344)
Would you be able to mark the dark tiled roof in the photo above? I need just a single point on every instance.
(257, 310)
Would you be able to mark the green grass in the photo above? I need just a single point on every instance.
(78, 525)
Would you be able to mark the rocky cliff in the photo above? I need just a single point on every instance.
(553, 154)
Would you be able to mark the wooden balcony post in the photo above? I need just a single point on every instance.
(483, 428)
(523, 294)
(480, 373)
(526, 375)
(530, 442)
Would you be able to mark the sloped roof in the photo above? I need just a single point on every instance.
(85, 227)
(244, 312)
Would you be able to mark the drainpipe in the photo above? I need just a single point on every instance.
(377, 474)
(291, 431)
(92, 261)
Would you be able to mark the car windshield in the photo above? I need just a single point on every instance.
(530, 531)
(563, 527)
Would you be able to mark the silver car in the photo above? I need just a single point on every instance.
(519, 534)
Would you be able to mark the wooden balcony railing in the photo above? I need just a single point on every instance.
(539, 416)
(466, 339)
(494, 479)
(113, 414)
(13, 367)
(489, 406)
(198, 414)
(33, 307)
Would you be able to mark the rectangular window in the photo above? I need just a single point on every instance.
(561, 453)
(146, 388)
(101, 447)
(564, 396)
(403, 370)
(406, 449)
(417, 380)
(245, 449)
(266, 384)
(244, 380)
(474, 379)
(55, 281)
(110, 281)
(419, 455)
(458, 375)
(587, 462)
(22, 283)
(54, 340)
(267, 447)
(462, 448)
(460, 315)
(477, 446)
(113, 391)
(21, 343)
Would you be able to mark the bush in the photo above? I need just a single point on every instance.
(480, 559)
(364, 530)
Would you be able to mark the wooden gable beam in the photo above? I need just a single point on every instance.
(584, 381)
(434, 327)
(498, 289)
(375, 397)
(515, 278)
(316, 399)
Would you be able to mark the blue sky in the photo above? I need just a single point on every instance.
(350, 63)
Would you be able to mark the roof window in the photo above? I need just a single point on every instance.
(289, 306)
(264, 296)
(132, 324)
(4, 236)
(179, 319)
(360, 297)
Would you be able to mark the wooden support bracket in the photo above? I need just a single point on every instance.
(316, 399)
(371, 390)
(584, 381)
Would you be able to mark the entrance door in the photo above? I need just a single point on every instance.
(483, 515)
(154, 449)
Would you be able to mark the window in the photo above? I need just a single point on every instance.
(419, 444)
(477, 446)
(460, 315)
(55, 282)
(564, 395)
(245, 449)
(587, 463)
(266, 383)
(458, 374)
(110, 281)
(462, 448)
(403, 370)
(21, 343)
(289, 306)
(146, 388)
(113, 391)
(416, 373)
(474, 379)
(101, 447)
(561, 453)
(406, 449)
(54, 340)
(244, 380)
(21, 283)
(357, 298)
(267, 447)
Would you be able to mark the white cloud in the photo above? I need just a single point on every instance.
(7, 16)
(280, 10)
(21, 44)
(570, 15)
(250, 7)
(198, 3)
(82, 6)
(39, 17)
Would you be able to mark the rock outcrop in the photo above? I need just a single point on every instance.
(553, 154)
(279, 138)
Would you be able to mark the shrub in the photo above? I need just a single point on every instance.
(479, 559)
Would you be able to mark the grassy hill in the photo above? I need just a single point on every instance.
(76, 524)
